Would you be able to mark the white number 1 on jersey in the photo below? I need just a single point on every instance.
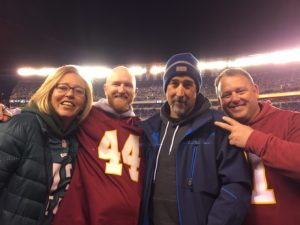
(261, 194)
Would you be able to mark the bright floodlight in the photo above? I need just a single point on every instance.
(278, 57)
(212, 65)
(157, 69)
(39, 72)
(137, 70)
(91, 72)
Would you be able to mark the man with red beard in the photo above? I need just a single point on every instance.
(107, 181)
(271, 138)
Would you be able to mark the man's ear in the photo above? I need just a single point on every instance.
(104, 88)
(218, 97)
(220, 102)
(256, 89)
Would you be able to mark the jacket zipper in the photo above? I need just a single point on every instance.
(190, 179)
(192, 171)
(177, 190)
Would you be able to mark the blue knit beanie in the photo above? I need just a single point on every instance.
(182, 64)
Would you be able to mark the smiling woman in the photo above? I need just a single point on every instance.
(68, 101)
(38, 149)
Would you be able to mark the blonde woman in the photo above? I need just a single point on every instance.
(38, 148)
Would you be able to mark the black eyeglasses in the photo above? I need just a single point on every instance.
(65, 88)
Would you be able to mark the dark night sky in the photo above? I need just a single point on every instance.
(56, 32)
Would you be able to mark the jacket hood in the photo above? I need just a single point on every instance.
(202, 104)
(103, 104)
(265, 110)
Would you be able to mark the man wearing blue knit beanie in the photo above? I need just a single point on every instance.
(179, 64)
(193, 176)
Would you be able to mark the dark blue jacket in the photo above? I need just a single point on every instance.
(25, 169)
(212, 178)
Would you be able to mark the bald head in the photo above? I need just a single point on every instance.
(120, 89)
(118, 72)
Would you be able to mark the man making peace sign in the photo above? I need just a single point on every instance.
(271, 136)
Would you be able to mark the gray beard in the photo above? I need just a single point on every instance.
(180, 111)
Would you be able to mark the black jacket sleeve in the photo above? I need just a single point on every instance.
(12, 144)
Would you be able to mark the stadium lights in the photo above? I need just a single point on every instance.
(39, 72)
(137, 70)
(277, 57)
(212, 65)
(157, 69)
(88, 71)
(91, 72)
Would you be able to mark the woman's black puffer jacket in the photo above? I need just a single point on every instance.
(25, 170)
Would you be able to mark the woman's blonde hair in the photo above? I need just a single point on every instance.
(42, 97)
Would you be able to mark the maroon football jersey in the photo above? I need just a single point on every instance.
(107, 181)
(276, 184)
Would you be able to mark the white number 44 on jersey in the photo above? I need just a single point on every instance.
(108, 150)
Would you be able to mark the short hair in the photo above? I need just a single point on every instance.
(231, 72)
(42, 97)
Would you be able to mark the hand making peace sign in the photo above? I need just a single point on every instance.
(239, 133)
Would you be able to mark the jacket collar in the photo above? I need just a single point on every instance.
(151, 128)
(200, 117)
(201, 105)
